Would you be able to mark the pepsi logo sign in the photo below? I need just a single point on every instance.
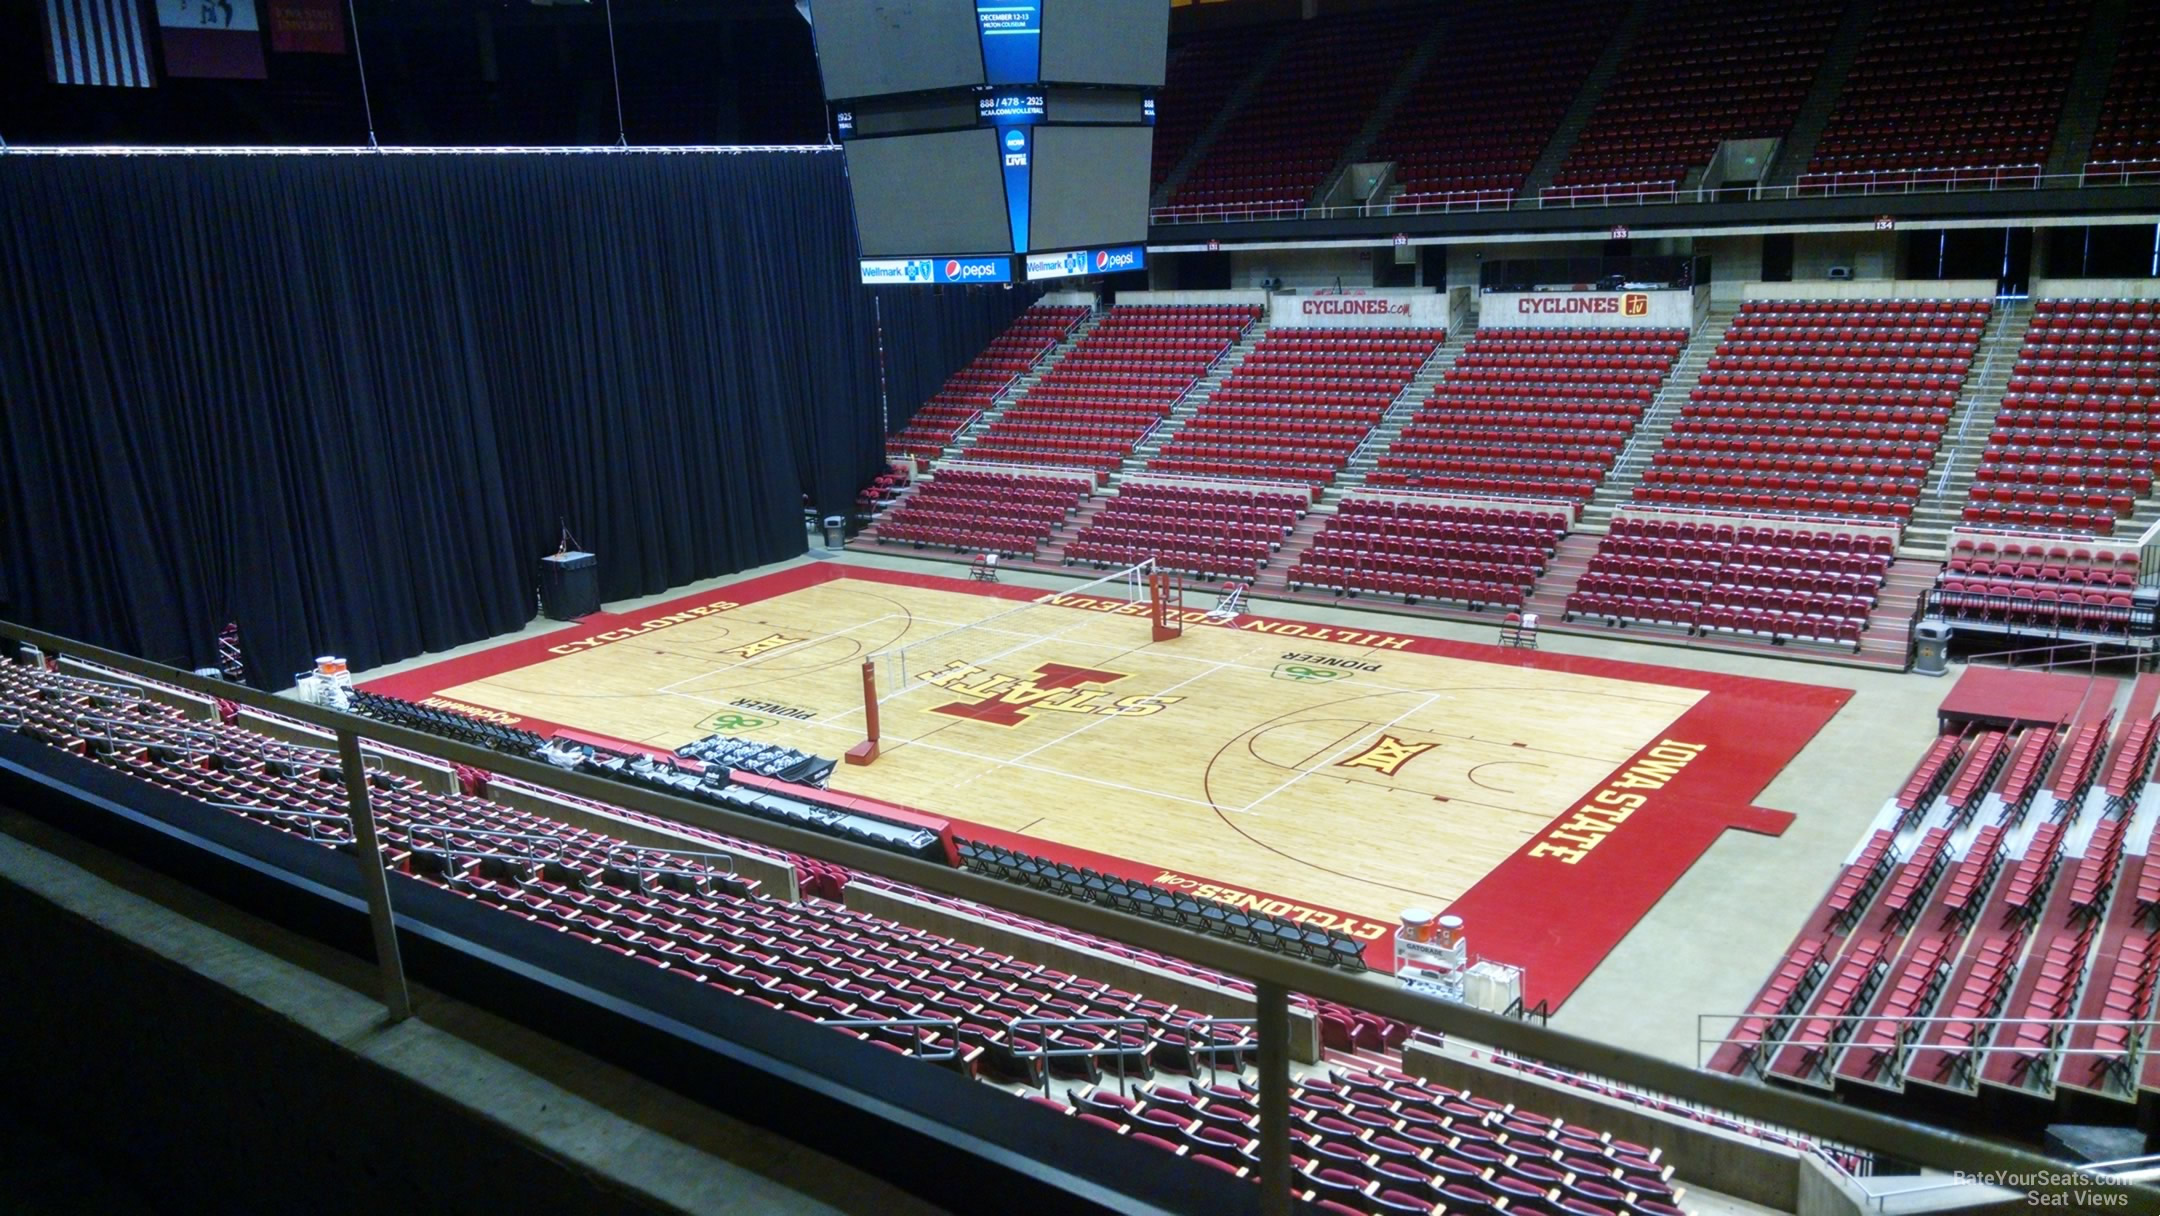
(1102, 259)
(952, 268)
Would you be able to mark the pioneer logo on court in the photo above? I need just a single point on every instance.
(1001, 699)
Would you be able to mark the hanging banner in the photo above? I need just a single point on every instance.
(1587, 310)
(307, 27)
(217, 39)
(1428, 311)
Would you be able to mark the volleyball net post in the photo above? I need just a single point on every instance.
(865, 752)
(1166, 600)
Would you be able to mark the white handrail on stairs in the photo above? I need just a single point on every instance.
(2004, 305)
(1657, 403)
(1403, 397)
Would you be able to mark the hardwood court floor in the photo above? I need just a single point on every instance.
(1349, 772)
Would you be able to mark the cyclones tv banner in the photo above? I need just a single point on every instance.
(1428, 311)
(1587, 310)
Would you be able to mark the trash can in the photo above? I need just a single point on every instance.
(835, 531)
(1931, 640)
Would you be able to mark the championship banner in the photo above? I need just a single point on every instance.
(1426, 311)
(306, 27)
(1587, 310)
(96, 42)
(211, 38)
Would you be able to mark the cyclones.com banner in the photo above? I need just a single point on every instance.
(1587, 310)
(1427, 311)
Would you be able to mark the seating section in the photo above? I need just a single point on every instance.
(1539, 413)
(2078, 438)
(1276, 150)
(2044, 587)
(1299, 405)
(1702, 72)
(1781, 583)
(970, 390)
(973, 509)
(1382, 1142)
(1360, 1135)
(2128, 138)
(1209, 531)
(1477, 118)
(1203, 70)
(1113, 387)
(1820, 408)
(2038, 911)
(1946, 92)
(1474, 555)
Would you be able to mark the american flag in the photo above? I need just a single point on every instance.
(96, 42)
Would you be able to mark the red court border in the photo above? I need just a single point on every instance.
(1555, 917)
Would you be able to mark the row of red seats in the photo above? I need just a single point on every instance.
(976, 509)
(1472, 125)
(1775, 625)
(1752, 391)
(974, 386)
(1946, 83)
(1276, 147)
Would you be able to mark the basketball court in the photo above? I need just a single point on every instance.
(1321, 772)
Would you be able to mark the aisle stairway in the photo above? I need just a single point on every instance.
(1405, 407)
(1571, 560)
(1020, 385)
(1194, 398)
(1578, 115)
(2088, 89)
(1949, 479)
(1658, 421)
(1799, 145)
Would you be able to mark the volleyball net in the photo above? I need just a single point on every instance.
(1136, 591)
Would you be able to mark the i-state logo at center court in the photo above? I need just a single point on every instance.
(1000, 699)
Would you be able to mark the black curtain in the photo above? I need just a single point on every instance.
(930, 334)
(347, 401)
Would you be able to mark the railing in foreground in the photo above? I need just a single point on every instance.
(1273, 975)
(1982, 180)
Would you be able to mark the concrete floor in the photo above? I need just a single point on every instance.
(654, 1150)
(1706, 947)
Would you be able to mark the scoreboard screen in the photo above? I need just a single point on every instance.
(1090, 187)
(921, 194)
(870, 48)
(985, 136)
(1075, 47)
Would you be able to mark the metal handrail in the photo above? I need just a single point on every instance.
(310, 818)
(1047, 1053)
(916, 1046)
(453, 853)
(1994, 345)
(631, 850)
(1273, 975)
(1214, 1049)
(1904, 1021)
(1977, 179)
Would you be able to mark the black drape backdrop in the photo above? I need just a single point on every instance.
(929, 335)
(347, 401)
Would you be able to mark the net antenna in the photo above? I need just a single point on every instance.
(897, 671)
